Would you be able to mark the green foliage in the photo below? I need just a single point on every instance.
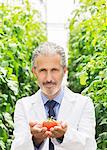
(20, 32)
(88, 59)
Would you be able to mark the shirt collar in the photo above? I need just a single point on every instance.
(58, 98)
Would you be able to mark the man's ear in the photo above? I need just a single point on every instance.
(33, 71)
(65, 70)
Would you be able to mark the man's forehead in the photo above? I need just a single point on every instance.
(49, 55)
(48, 59)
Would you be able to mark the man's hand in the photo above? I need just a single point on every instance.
(58, 131)
(38, 132)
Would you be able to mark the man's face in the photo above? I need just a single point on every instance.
(49, 73)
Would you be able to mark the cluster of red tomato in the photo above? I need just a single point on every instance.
(50, 123)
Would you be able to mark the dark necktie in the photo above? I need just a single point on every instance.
(51, 114)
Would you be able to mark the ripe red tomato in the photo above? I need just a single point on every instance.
(50, 123)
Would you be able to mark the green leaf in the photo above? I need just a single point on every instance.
(103, 122)
(83, 78)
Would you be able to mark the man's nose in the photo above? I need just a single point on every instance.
(49, 76)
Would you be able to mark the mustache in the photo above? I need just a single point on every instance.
(47, 83)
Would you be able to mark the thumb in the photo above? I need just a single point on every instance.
(64, 125)
(32, 123)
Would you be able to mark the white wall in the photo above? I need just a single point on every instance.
(58, 12)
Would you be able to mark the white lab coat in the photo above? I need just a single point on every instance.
(75, 109)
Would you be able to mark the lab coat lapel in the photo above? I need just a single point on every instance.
(38, 107)
(67, 105)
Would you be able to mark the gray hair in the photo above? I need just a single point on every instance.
(49, 48)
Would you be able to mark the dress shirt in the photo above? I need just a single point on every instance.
(58, 99)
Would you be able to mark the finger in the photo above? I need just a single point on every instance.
(48, 134)
(53, 133)
(44, 129)
(63, 124)
(57, 131)
(39, 125)
(32, 123)
(35, 130)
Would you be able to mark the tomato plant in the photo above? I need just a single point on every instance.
(21, 31)
(88, 59)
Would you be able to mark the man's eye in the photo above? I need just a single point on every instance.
(54, 69)
(42, 70)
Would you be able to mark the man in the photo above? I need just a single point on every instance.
(73, 112)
